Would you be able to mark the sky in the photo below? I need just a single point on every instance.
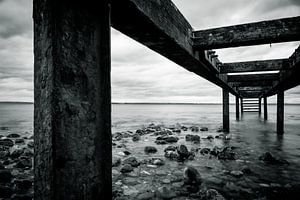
(138, 74)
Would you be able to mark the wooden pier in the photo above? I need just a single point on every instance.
(72, 117)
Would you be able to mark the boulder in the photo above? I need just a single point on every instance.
(116, 162)
(203, 129)
(246, 170)
(30, 144)
(270, 159)
(212, 194)
(6, 142)
(205, 151)
(13, 135)
(131, 161)
(191, 176)
(126, 168)
(170, 148)
(172, 155)
(210, 137)
(194, 129)
(166, 139)
(227, 154)
(157, 161)
(19, 141)
(184, 128)
(183, 152)
(192, 138)
(150, 149)
(136, 137)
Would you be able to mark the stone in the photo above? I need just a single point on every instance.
(237, 173)
(24, 162)
(205, 151)
(165, 193)
(183, 152)
(126, 168)
(157, 161)
(13, 135)
(148, 195)
(270, 159)
(166, 139)
(16, 153)
(19, 141)
(166, 181)
(212, 194)
(203, 129)
(193, 138)
(150, 149)
(136, 137)
(184, 128)
(5, 192)
(127, 153)
(131, 161)
(210, 137)
(226, 154)
(194, 129)
(6, 142)
(172, 155)
(191, 176)
(170, 148)
(116, 162)
(246, 170)
(171, 139)
(30, 144)
(5, 176)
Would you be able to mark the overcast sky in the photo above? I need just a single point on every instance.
(139, 74)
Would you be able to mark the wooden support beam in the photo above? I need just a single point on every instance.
(250, 94)
(280, 112)
(264, 32)
(242, 105)
(72, 100)
(254, 88)
(237, 107)
(160, 26)
(225, 111)
(259, 106)
(255, 66)
(265, 108)
(251, 83)
(253, 77)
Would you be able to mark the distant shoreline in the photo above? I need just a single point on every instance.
(142, 103)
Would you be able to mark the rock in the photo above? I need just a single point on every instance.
(210, 137)
(131, 161)
(148, 195)
(172, 155)
(166, 181)
(215, 151)
(13, 135)
(30, 144)
(127, 153)
(226, 154)
(19, 141)
(28, 152)
(116, 162)
(4, 128)
(170, 148)
(246, 170)
(191, 176)
(5, 192)
(204, 129)
(5, 176)
(193, 138)
(194, 129)
(165, 193)
(16, 153)
(270, 159)
(171, 139)
(212, 194)
(166, 139)
(130, 191)
(6, 142)
(205, 151)
(157, 161)
(176, 130)
(126, 168)
(184, 128)
(117, 136)
(183, 152)
(150, 149)
(136, 137)
(237, 173)
(24, 162)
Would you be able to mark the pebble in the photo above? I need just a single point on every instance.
(191, 176)
(131, 161)
(237, 173)
(126, 168)
(150, 149)
(166, 181)
(13, 135)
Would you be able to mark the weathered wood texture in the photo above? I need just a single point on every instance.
(254, 88)
(288, 78)
(72, 102)
(265, 32)
(265, 108)
(253, 66)
(242, 105)
(250, 94)
(253, 77)
(259, 105)
(252, 83)
(161, 27)
(225, 110)
(280, 112)
(237, 107)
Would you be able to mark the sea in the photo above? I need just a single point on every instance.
(251, 136)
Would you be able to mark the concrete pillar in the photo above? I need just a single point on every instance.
(280, 112)
(265, 108)
(237, 107)
(259, 106)
(225, 110)
(72, 94)
(242, 106)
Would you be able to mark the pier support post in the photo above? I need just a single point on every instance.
(265, 108)
(72, 100)
(225, 110)
(280, 112)
(237, 107)
(242, 106)
(259, 106)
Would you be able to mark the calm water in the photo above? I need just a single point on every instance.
(251, 135)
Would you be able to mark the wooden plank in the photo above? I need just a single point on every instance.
(280, 112)
(237, 107)
(253, 77)
(253, 66)
(225, 110)
(251, 83)
(72, 101)
(264, 32)
(160, 26)
(255, 88)
(265, 108)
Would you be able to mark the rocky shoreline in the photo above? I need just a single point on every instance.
(159, 162)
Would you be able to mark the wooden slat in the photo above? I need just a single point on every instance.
(264, 32)
(252, 77)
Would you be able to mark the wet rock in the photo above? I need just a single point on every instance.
(176, 130)
(210, 137)
(28, 152)
(131, 161)
(30, 144)
(237, 173)
(212, 194)
(166, 139)
(5, 192)
(227, 154)
(148, 195)
(150, 149)
(4, 152)
(19, 141)
(157, 161)
(183, 152)
(5, 176)
(6, 142)
(24, 162)
(16, 153)
(116, 162)
(13, 135)
(204, 129)
(117, 136)
(184, 128)
(126, 168)
(205, 151)
(172, 155)
(191, 176)
(136, 137)
(246, 170)
(163, 133)
(270, 159)
(170, 148)
(171, 139)
(193, 138)
(215, 151)
(165, 193)
(194, 129)
(127, 153)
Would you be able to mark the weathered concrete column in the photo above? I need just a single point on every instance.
(242, 106)
(237, 107)
(72, 108)
(280, 112)
(259, 106)
(265, 108)
(225, 110)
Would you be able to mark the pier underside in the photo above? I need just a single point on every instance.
(72, 80)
